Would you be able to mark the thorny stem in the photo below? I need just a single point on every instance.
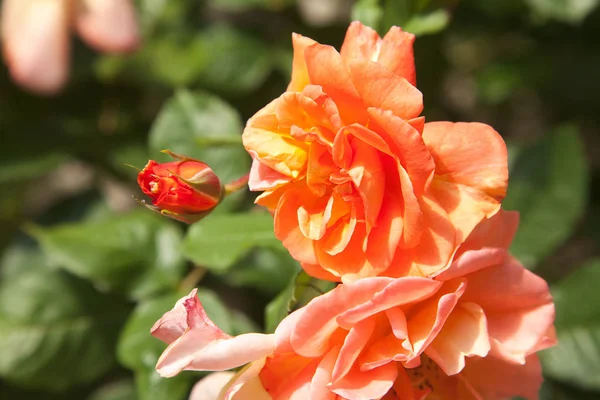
(236, 185)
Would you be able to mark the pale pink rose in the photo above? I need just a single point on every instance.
(406, 338)
(35, 35)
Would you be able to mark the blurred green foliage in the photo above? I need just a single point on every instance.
(85, 271)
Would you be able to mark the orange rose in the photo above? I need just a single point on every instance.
(354, 177)
(186, 189)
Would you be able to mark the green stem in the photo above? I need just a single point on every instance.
(193, 278)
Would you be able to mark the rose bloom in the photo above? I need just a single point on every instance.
(35, 35)
(469, 333)
(187, 189)
(354, 177)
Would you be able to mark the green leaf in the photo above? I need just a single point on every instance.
(571, 11)
(236, 63)
(264, 269)
(151, 386)
(56, 331)
(202, 126)
(396, 12)
(220, 240)
(549, 187)
(427, 23)
(576, 359)
(369, 12)
(120, 390)
(135, 253)
(300, 291)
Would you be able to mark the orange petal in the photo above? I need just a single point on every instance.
(381, 88)
(464, 335)
(36, 43)
(361, 43)
(408, 145)
(436, 245)
(327, 69)
(287, 227)
(299, 72)
(351, 263)
(108, 25)
(397, 54)
(278, 152)
(367, 173)
(471, 171)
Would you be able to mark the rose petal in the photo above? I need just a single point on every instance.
(299, 71)
(471, 171)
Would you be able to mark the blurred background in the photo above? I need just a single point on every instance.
(85, 271)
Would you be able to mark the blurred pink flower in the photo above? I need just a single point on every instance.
(35, 35)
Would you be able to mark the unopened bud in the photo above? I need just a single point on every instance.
(186, 189)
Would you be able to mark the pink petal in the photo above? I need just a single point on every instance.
(311, 335)
(264, 178)
(428, 318)
(464, 335)
(246, 384)
(201, 345)
(398, 292)
(108, 25)
(354, 343)
(366, 385)
(36, 43)
(187, 313)
(494, 379)
(209, 387)
(517, 304)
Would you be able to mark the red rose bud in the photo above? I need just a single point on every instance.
(186, 190)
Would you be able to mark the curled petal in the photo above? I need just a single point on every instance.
(201, 345)
(464, 335)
